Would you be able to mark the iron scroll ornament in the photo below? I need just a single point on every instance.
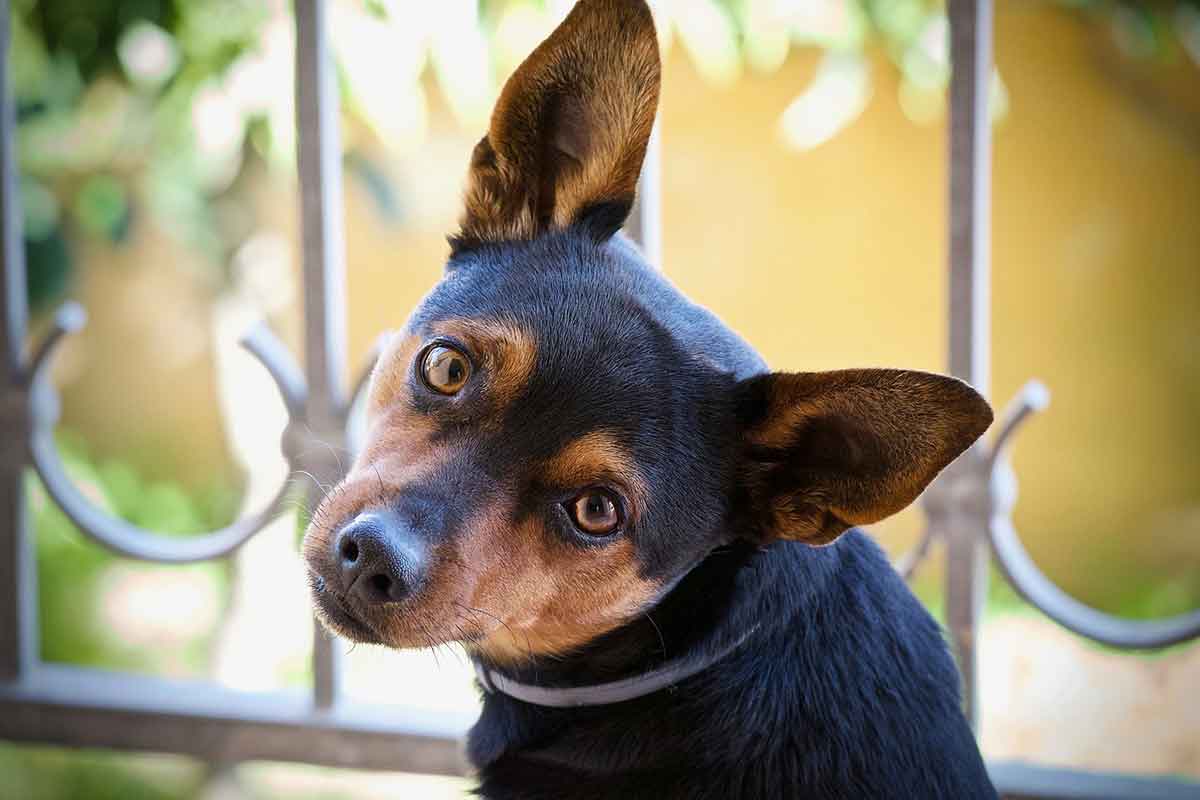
(130, 540)
(981, 488)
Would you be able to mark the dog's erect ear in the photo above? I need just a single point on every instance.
(569, 132)
(824, 451)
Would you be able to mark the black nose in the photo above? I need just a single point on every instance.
(379, 560)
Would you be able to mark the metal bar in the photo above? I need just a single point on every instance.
(1043, 594)
(319, 160)
(970, 173)
(126, 538)
(969, 329)
(327, 667)
(89, 708)
(319, 164)
(1020, 781)
(18, 573)
(13, 311)
(645, 218)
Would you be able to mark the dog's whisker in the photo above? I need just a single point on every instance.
(379, 477)
(333, 451)
(325, 489)
(661, 641)
(432, 644)
(511, 633)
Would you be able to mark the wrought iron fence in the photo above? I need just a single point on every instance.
(968, 507)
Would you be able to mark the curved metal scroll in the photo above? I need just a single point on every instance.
(117, 534)
(126, 538)
(1032, 583)
(980, 489)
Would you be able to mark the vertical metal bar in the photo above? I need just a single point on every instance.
(970, 190)
(13, 312)
(320, 166)
(18, 569)
(327, 668)
(320, 169)
(645, 219)
(969, 296)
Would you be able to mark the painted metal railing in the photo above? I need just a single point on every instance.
(968, 507)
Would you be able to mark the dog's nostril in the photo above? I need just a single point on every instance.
(377, 558)
(382, 584)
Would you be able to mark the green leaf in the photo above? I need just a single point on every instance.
(102, 207)
(39, 209)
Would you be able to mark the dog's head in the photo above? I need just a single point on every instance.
(557, 435)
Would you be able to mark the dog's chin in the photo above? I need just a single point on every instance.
(340, 621)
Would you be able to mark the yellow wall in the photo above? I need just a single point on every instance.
(836, 257)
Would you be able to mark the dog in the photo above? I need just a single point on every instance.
(645, 540)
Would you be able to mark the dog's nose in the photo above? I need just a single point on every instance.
(378, 559)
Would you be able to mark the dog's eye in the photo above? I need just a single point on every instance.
(445, 369)
(595, 512)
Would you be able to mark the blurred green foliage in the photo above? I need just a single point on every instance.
(71, 572)
(152, 109)
(70, 567)
(105, 91)
(42, 773)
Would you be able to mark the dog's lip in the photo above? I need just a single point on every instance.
(336, 610)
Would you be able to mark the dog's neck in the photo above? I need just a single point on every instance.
(735, 588)
(845, 675)
(637, 657)
(689, 622)
(733, 592)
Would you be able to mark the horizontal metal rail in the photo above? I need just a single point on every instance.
(1017, 780)
(91, 708)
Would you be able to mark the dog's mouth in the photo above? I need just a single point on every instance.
(337, 615)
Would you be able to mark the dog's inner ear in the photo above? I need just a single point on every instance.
(570, 130)
(824, 451)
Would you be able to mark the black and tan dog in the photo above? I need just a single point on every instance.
(642, 536)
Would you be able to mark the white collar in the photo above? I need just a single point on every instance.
(600, 694)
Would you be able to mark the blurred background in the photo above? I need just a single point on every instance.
(804, 185)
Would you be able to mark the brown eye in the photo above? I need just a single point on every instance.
(595, 512)
(445, 369)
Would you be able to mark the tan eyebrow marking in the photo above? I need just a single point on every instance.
(506, 350)
(598, 456)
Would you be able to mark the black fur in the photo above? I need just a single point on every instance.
(844, 690)
(619, 350)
